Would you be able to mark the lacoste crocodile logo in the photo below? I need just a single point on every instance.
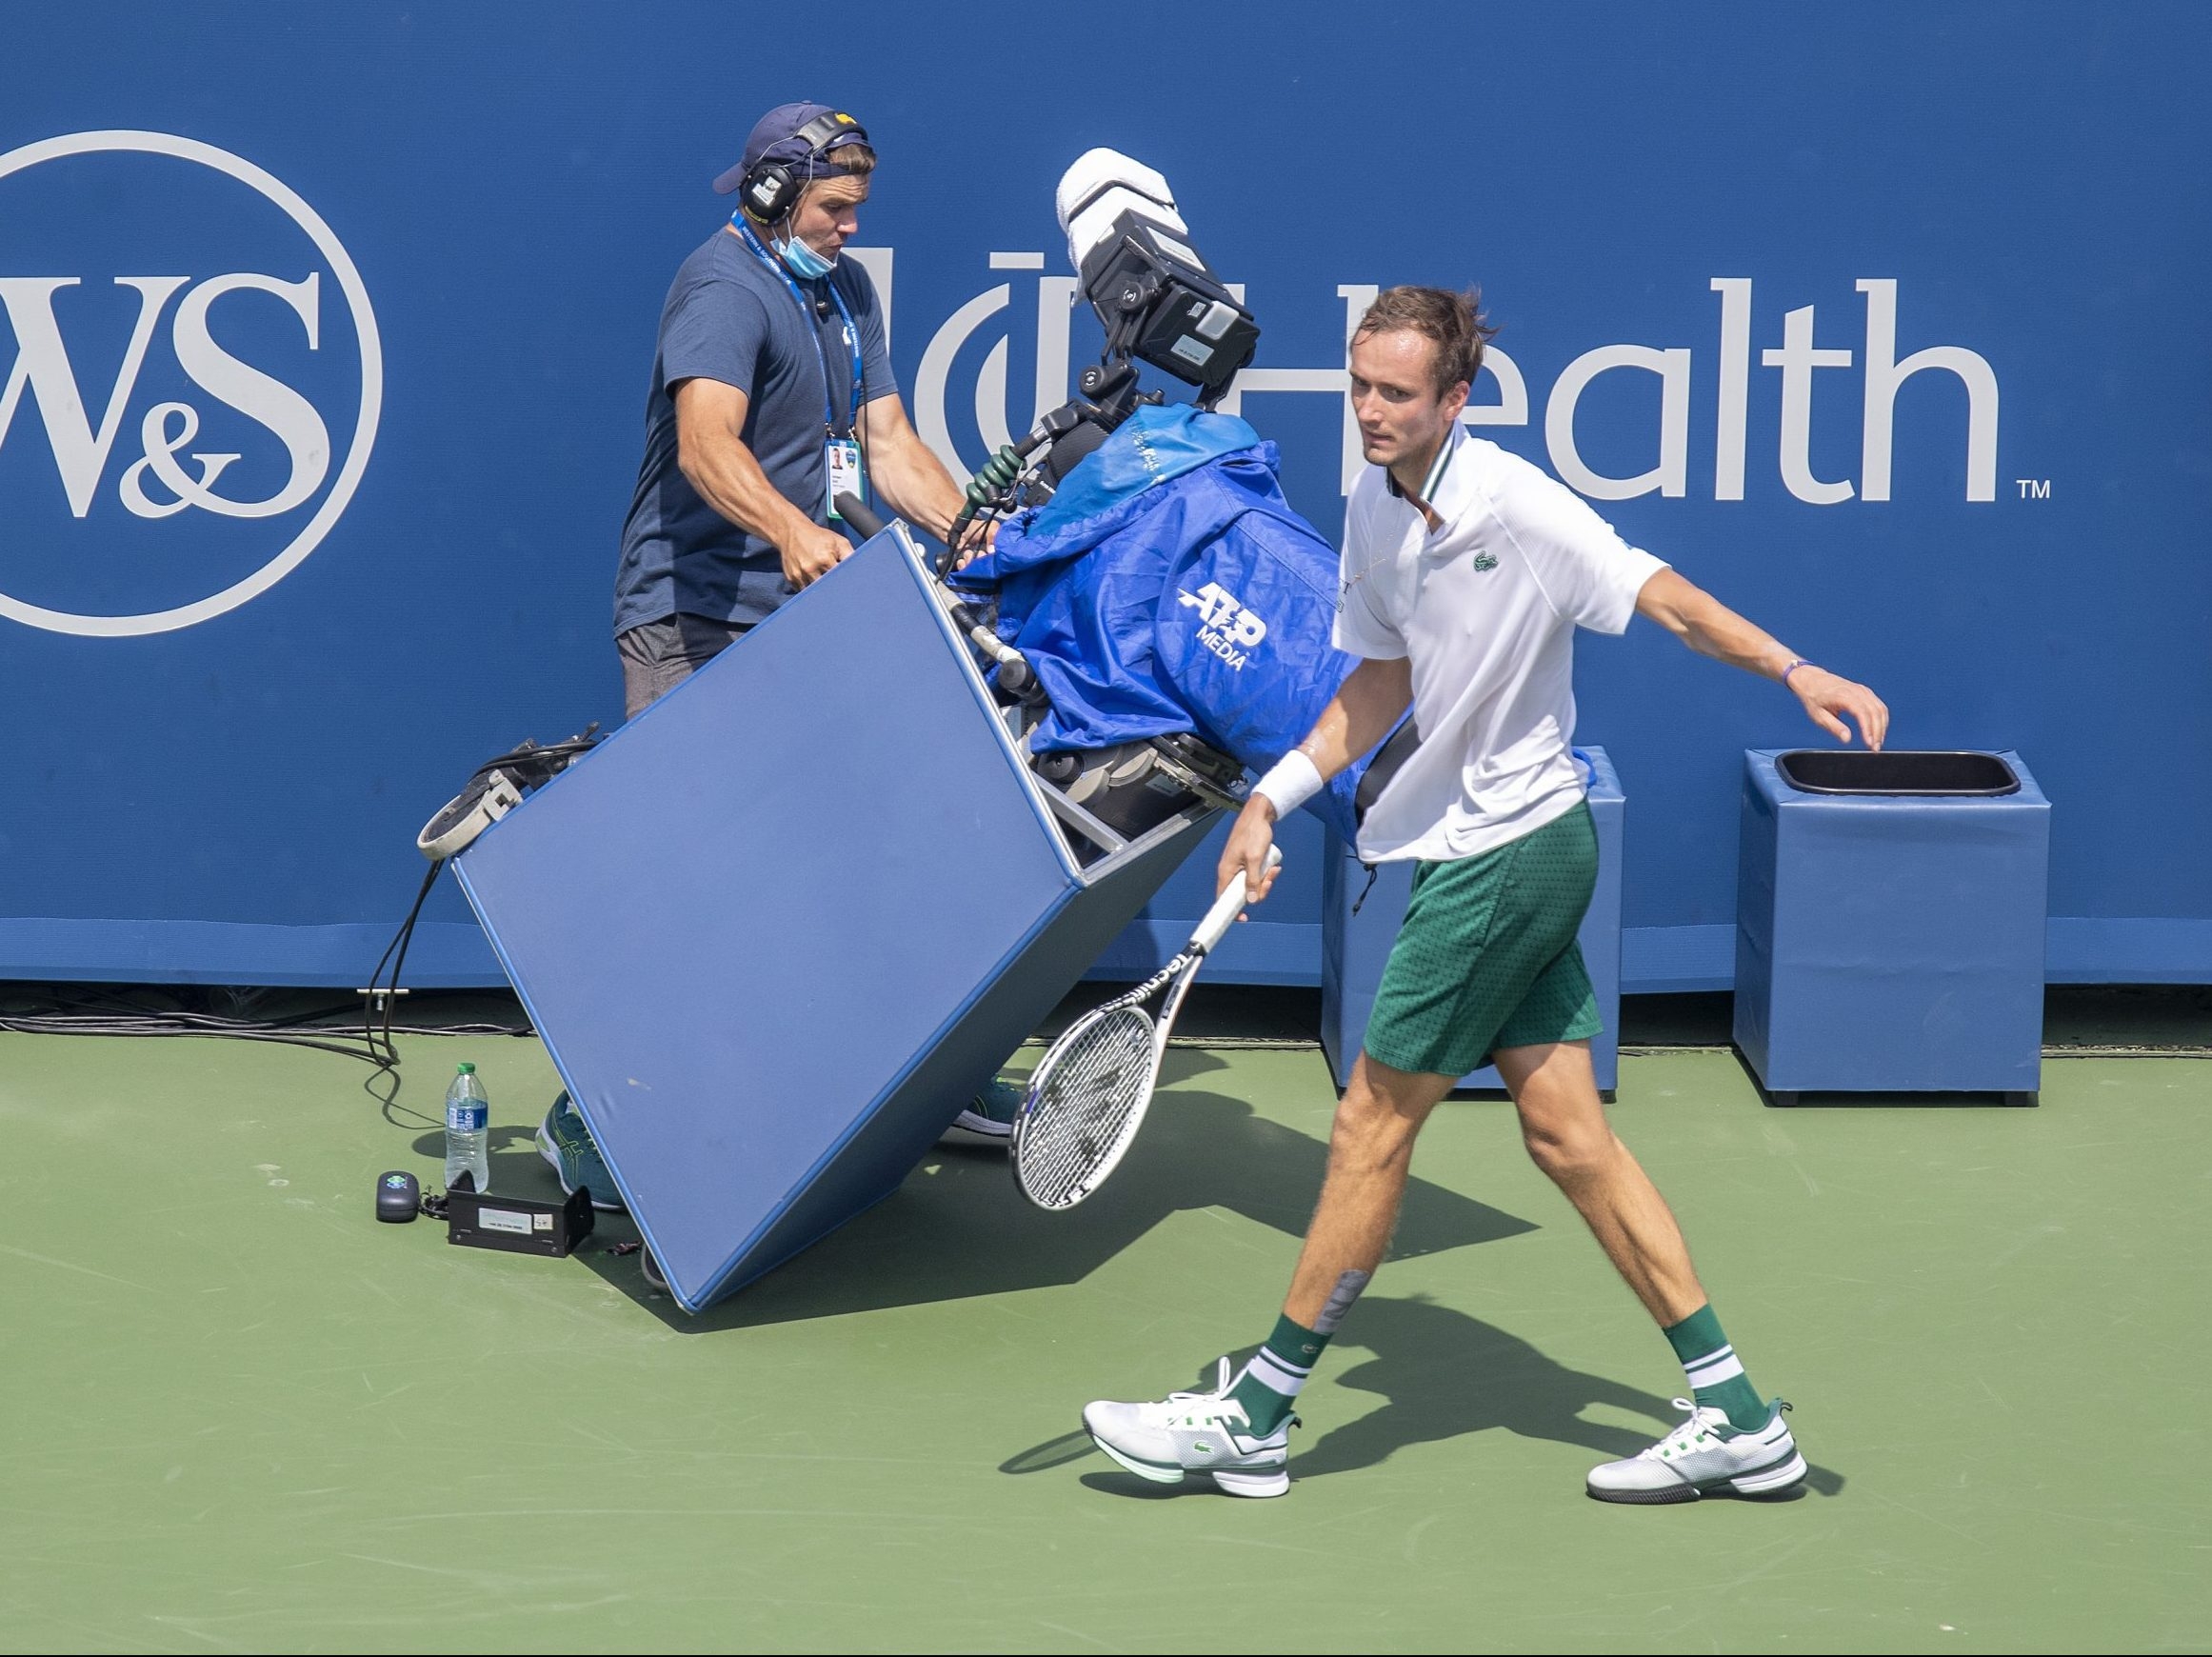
(1483, 561)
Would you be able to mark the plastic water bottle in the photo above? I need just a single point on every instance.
(468, 1116)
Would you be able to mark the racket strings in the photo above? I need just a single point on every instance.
(1084, 1105)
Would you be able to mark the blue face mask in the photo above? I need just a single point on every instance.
(803, 261)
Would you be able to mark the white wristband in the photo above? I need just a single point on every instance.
(1294, 780)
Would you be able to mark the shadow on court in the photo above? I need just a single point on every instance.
(958, 1228)
(1441, 1374)
(513, 1156)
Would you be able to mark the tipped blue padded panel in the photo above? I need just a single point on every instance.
(778, 928)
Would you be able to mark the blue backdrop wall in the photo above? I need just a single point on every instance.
(324, 392)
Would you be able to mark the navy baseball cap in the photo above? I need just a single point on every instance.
(775, 138)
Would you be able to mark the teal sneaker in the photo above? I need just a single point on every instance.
(565, 1142)
(988, 1121)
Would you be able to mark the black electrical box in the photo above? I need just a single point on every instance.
(517, 1224)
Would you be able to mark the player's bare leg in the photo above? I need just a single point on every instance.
(1371, 1148)
(1562, 1124)
(1732, 1441)
(1239, 1433)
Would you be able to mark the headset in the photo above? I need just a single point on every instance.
(770, 188)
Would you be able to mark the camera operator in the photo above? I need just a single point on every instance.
(771, 394)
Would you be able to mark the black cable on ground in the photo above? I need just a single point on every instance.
(159, 1011)
(99, 1010)
(381, 1052)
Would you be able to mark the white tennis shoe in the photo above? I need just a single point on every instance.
(1194, 1432)
(988, 1121)
(1704, 1456)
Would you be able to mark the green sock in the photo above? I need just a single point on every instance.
(1270, 1381)
(1716, 1375)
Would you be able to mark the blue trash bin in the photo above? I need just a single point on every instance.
(1354, 947)
(1890, 923)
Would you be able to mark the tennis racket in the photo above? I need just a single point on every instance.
(1089, 1096)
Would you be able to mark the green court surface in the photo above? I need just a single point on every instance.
(240, 1416)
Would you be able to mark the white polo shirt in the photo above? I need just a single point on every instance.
(1485, 608)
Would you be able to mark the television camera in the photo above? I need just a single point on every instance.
(1159, 302)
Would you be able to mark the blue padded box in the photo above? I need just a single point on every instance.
(1354, 947)
(1891, 942)
(778, 929)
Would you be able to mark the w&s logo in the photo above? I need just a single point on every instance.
(195, 384)
(1227, 628)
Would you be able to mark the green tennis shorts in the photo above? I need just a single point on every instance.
(1487, 957)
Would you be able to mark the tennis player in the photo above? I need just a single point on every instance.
(1465, 572)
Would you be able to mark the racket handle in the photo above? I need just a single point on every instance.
(1228, 907)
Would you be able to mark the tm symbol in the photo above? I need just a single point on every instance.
(2034, 488)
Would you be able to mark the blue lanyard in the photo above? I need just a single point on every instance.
(814, 333)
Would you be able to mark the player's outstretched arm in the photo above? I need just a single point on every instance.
(1357, 716)
(1711, 628)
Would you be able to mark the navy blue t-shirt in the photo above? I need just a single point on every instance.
(730, 318)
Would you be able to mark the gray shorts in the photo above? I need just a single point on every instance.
(657, 656)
